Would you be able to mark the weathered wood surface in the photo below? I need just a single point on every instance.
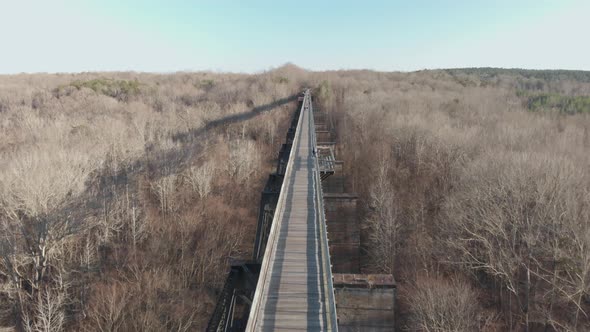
(293, 292)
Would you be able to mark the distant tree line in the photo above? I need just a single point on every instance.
(547, 75)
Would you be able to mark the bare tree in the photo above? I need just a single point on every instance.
(437, 305)
(107, 310)
(243, 158)
(48, 312)
(164, 188)
(137, 224)
(36, 189)
(578, 277)
(384, 220)
(524, 226)
(200, 178)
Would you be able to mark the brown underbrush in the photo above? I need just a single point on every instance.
(462, 180)
(124, 196)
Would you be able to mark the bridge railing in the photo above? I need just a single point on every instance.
(331, 316)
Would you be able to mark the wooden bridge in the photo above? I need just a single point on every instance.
(294, 288)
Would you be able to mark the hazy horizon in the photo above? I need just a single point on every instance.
(278, 67)
(162, 37)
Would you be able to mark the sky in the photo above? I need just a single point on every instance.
(255, 35)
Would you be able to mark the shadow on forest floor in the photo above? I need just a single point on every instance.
(230, 119)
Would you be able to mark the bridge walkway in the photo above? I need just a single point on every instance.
(295, 289)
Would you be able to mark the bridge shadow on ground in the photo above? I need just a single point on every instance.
(230, 119)
(156, 163)
(171, 161)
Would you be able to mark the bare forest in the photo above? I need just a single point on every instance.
(124, 196)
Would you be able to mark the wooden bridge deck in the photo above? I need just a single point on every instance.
(295, 290)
